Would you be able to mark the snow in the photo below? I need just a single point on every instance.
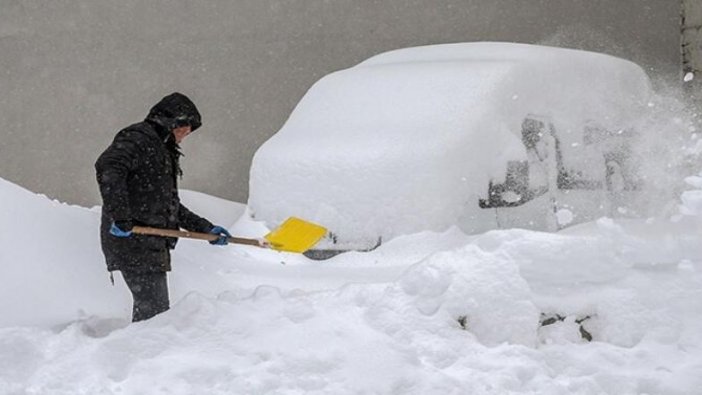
(408, 140)
(426, 313)
(564, 216)
(434, 309)
(692, 200)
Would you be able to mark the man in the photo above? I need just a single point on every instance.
(137, 175)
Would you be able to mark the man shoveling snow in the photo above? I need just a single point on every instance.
(138, 179)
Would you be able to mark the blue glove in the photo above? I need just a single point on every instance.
(223, 234)
(121, 228)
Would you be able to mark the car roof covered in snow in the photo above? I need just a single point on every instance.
(425, 91)
(414, 128)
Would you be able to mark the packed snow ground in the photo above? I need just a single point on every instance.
(427, 313)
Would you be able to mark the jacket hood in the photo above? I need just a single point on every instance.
(173, 111)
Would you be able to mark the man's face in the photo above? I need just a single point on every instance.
(181, 133)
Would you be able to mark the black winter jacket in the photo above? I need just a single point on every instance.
(137, 176)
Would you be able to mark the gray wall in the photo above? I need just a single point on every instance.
(72, 73)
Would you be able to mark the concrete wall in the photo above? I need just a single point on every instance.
(72, 73)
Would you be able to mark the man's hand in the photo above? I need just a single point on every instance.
(121, 228)
(223, 235)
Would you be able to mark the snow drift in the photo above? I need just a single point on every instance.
(52, 270)
(428, 313)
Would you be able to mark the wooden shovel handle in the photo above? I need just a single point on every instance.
(145, 230)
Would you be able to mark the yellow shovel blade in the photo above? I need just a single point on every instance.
(295, 235)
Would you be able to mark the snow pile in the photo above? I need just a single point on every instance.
(481, 291)
(408, 140)
(429, 313)
(50, 248)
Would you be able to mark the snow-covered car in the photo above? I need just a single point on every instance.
(477, 135)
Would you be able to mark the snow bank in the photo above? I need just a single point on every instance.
(400, 337)
(48, 249)
(52, 267)
(428, 313)
(408, 140)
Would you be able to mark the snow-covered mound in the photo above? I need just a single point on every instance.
(505, 312)
(409, 140)
(51, 267)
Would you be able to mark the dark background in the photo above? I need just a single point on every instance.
(72, 73)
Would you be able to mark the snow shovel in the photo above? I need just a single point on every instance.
(293, 235)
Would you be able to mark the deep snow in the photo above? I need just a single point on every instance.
(428, 312)
(253, 321)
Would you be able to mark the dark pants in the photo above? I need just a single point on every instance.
(150, 293)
